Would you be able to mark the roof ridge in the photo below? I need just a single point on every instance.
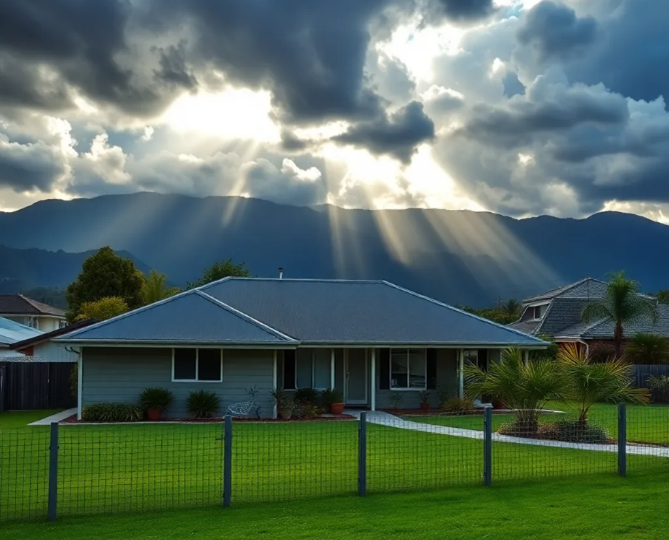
(263, 326)
(482, 319)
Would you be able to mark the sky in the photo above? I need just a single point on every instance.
(516, 107)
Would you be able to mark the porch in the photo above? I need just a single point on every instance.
(368, 377)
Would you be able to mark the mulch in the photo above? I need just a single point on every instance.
(219, 420)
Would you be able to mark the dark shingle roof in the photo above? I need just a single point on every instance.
(562, 313)
(369, 312)
(604, 329)
(585, 288)
(17, 304)
(190, 317)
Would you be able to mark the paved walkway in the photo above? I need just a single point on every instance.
(55, 418)
(387, 419)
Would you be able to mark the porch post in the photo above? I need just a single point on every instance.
(461, 373)
(276, 384)
(332, 368)
(373, 380)
(526, 357)
(80, 382)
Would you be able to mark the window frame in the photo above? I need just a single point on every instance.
(197, 366)
(312, 360)
(538, 307)
(391, 388)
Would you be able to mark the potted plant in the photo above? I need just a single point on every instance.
(333, 399)
(396, 399)
(284, 406)
(155, 401)
(424, 396)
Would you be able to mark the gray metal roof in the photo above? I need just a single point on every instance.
(191, 317)
(359, 312)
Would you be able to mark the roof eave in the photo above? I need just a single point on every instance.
(173, 343)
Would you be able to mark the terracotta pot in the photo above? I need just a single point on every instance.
(286, 414)
(153, 414)
(336, 408)
(497, 404)
(424, 406)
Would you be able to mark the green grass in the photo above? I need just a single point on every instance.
(105, 469)
(645, 423)
(16, 419)
(587, 508)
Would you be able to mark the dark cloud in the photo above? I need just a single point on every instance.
(291, 142)
(461, 10)
(173, 67)
(309, 53)
(25, 167)
(397, 134)
(512, 85)
(555, 31)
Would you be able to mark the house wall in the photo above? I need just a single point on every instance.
(51, 352)
(44, 324)
(120, 375)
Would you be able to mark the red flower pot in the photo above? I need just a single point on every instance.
(337, 408)
(153, 414)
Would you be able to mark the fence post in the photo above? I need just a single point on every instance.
(622, 439)
(487, 446)
(53, 473)
(227, 461)
(362, 455)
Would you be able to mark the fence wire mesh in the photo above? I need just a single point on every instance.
(120, 468)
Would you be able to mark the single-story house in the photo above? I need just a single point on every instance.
(366, 338)
(29, 312)
(41, 348)
(557, 314)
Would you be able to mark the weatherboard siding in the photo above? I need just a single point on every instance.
(120, 375)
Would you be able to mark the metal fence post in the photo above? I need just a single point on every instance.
(362, 455)
(622, 439)
(487, 446)
(53, 473)
(227, 461)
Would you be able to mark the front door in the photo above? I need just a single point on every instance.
(355, 375)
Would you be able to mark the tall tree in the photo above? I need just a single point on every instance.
(624, 304)
(221, 270)
(103, 275)
(102, 309)
(155, 288)
(511, 307)
(648, 349)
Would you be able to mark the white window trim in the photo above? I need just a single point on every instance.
(533, 308)
(390, 371)
(197, 368)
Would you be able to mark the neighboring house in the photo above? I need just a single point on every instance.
(365, 338)
(557, 314)
(29, 312)
(11, 332)
(41, 348)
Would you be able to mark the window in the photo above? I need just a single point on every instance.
(471, 356)
(201, 365)
(33, 322)
(289, 370)
(313, 369)
(538, 312)
(62, 324)
(408, 369)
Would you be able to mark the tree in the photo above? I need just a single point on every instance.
(622, 303)
(103, 275)
(648, 349)
(155, 288)
(520, 386)
(662, 296)
(102, 309)
(512, 308)
(587, 382)
(221, 270)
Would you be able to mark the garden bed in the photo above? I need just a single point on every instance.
(219, 420)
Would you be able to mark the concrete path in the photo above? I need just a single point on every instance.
(386, 419)
(55, 418)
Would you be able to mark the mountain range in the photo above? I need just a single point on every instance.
(460, 257)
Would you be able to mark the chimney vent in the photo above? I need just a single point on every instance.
(280, 272)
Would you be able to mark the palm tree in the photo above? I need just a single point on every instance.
(587, 382)
(523, 387)
(511, 307)
(648, 349)
(623, 304)
(155, 288)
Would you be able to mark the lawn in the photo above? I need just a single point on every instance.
(104, 469)
(590, 508)
(16, 419)
(645, 423)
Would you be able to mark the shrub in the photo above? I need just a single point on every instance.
(444, 393)
(458, 405)
(74, 381)
(112, 412)
(573, 431)
(330, 396)
(648, 349)
(280, 397)
(659, 383)
(155, 398)
(307, 410)
(306, 396)
(203, 404)
(396, 399)
(602, 352)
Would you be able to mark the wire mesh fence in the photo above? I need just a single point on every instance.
(121, 468)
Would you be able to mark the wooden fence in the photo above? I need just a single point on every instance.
(28, 386)
(643, 372)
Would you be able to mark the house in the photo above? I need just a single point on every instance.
(368, 339)
(557, 315)
(29, 312)
(41, 348)
(10, 333)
